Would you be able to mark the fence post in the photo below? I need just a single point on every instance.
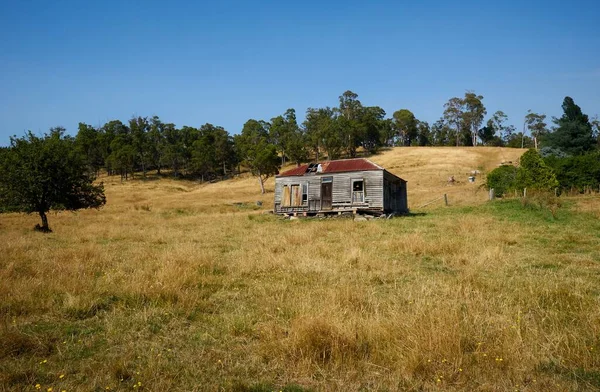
(524, 192)
(492, 194)
(446, 199)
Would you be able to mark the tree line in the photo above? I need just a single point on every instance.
(210, 151)
(569, 157)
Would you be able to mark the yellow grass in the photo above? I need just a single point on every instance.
(173, 287)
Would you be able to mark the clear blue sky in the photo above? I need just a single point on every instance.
(65, 62)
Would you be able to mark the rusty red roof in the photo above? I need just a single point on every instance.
(340, 166)
(346, 165)
(297, 171)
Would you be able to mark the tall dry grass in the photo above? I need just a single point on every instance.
(173, 287)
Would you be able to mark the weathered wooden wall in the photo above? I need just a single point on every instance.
(395, 194)
(342, 190)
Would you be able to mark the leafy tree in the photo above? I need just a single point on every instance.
(536, 125)
(349, 123)
(453, 116)
(497, 125)
(212, 152)
(441, 133)
(139, 127)
(46, 173)
(108, 132)
(122, 156)
(373, 123)
(173, 151)
(573, 134)
(256, 151)
(156, 141)
(474, 112)
(323, 132)
(488, 135)
(502, 179)
(576, 172)
(89, 142)
(405, 125)
(297, 146)
(423, 134)
(281, 129)
(533, 172)
(187, 137)
(224, 149)
(518, 140)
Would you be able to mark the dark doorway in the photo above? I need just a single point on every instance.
(326, 192)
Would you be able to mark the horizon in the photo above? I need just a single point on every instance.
(223, 64)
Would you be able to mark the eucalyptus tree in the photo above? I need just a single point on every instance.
(473, 114)
(256, 151)
(453, 116)
(405, 126)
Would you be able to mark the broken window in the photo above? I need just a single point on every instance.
(304, 194)
(358, 191)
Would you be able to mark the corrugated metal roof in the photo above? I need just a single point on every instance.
(347, 165)
(340, 166)
(297, 171)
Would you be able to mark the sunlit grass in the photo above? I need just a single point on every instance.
(172, 286)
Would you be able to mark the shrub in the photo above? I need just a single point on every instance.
(534, 174)
(502, 179)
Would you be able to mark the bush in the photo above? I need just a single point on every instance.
(502, 179)
(534, 174)
(577, 172)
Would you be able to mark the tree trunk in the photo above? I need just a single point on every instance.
(44, 227)
(535, 142)
(261, 182)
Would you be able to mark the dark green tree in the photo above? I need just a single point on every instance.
(533, 173)
(46, 173)
(373, 124)
(139, 127)
(573, 133)
(256, 151)
(502, 179)
(89, 142)
(405, 125)
(423, 134)
(155, 142)
(323, 132)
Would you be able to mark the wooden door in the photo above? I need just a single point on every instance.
(326, 192)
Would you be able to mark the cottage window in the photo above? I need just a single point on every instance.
(304, 194)
(358, 191)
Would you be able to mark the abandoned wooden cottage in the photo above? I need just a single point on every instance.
(353, 185)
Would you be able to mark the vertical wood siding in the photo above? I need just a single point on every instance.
(342, 189)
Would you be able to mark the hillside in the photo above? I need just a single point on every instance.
(425, 168)
(173, 287)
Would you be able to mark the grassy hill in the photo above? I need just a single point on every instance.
(172, 287)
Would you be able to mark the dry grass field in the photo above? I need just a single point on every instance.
(174, 287)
